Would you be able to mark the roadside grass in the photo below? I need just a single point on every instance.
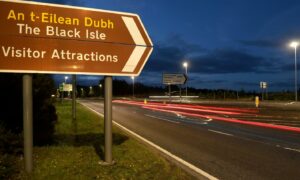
(78, 149)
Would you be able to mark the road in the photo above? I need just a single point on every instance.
(226, 150)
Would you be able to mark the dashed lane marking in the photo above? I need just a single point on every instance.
(219, 132)
(291, 149)
(161, 118)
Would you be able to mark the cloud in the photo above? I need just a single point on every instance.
(290, 67)
(166, 59)
(283, 85)
(245, 83)
(169, 55)
(178, 41)
(260, 43)
(198, 80)
(226, 60)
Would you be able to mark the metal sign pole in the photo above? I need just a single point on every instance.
(74, 97)
(62, 95)
(27, 122)
(108, 119)
(170, 92)
(180, 92)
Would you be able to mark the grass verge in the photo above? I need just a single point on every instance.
(78, 148)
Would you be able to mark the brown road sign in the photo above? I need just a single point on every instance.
(173, 79)
(47, 38)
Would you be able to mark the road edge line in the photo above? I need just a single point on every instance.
(178, 159)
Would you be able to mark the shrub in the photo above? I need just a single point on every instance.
(44, 114)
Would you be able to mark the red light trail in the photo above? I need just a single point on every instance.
(209, 112)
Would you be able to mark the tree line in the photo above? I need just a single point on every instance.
(122, 88)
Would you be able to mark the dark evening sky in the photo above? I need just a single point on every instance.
(229, 44)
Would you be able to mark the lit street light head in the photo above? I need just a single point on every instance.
(132, 77)
(185, 64)
(294, 44)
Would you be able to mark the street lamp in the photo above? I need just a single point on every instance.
(66, 78)
(185, 65)
(91, 92)
(100, 86)
(62, 95)
(82, 92)
(132, 77)
(294, 45)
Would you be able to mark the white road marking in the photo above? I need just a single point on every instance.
(179, 115)
(178, 159)
(162, 118)
(219, 132)
(291, 149)
(289, 103)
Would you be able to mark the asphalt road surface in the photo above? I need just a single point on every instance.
(226, 150)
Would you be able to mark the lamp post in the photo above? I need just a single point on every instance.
(82, 92)
(132, 77)
(185, 65)
(294, 44)
(100, 88)
(66, 78)
(62, 94)
(91, 93)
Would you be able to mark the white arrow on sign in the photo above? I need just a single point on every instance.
(138, 39)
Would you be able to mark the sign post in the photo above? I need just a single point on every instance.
(61, 88)
(180, 91)
(169, 92)
(74, 97)
(27, 121)
(108, 119)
